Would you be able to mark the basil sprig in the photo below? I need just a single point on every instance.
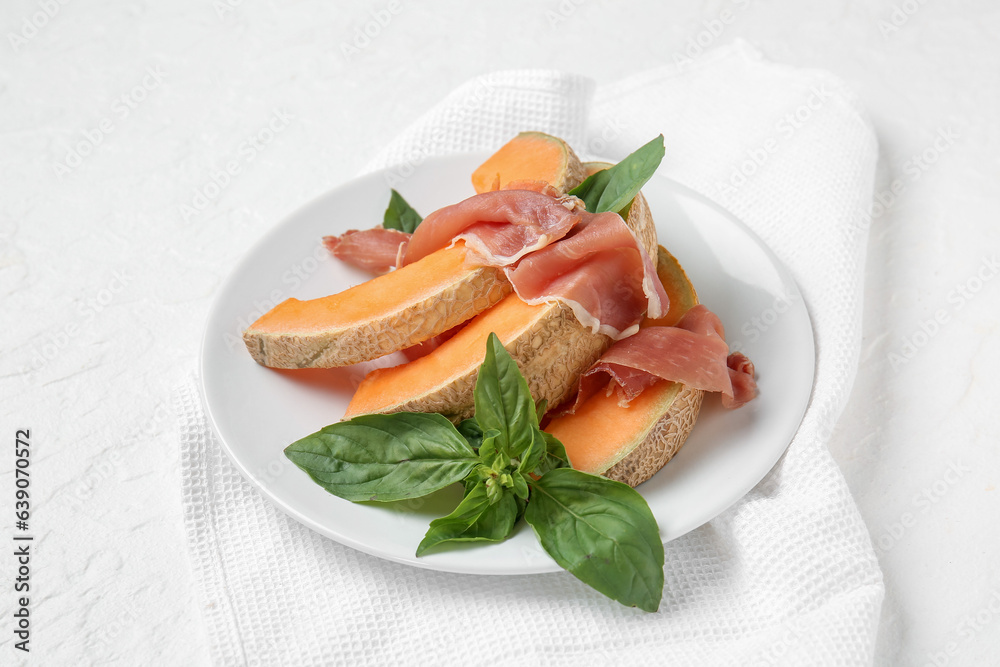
(476, 519)
(614, 188)
(400, 215)
(601, 531)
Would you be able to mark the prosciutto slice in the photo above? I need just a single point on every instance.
(553, 250)
(601, 271)
(500, 227)
(694, 353)
(375, 250)
(550, 248)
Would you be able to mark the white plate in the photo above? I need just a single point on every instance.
(257, 411)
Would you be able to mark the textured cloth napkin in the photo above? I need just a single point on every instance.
(786, 576)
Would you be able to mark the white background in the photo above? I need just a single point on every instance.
(105, 279)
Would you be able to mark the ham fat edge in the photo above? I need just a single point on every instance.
(375, 250)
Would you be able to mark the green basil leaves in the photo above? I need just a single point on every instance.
(385, 457)
(400, 215)
(601, 531)
(503, 401)
(614, 188)
(475, 519)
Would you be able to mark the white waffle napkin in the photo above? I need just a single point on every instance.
(785, 577)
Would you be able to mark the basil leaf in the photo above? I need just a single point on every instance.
(555, 455)
(546, 453)
(592, 188)
(535, 453)
(503, 401)
(629, 175)
(520, 485)
(613, 189)
(488, 449)
(602, 531)
(385, 457)
(478, 475)
(400, 215)
(469, 428)
(475, 519)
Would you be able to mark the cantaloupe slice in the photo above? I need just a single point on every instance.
(388, 313)
(530, 156)
(548, 343)
(631, 444)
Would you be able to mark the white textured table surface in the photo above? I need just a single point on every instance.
(117, 222)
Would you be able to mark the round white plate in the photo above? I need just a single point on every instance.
(257, 411)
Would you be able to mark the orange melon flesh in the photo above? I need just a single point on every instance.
(460, 355)
(372, 299)
(601, 433)
(530, 156)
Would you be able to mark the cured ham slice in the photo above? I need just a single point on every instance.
(693, 353)
(741, 374)
(601, 271)
(374, 250)
(500, 227)
(550, 248)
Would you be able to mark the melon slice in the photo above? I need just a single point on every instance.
(548, 343)
(377, 317)
(630, 444)
(530, 156)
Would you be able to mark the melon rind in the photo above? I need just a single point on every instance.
(661, 442)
